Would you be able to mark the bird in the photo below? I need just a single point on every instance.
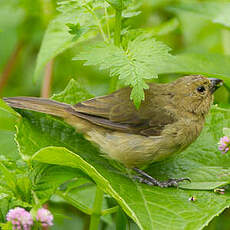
(169, 119)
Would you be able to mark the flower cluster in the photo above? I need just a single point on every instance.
(224, 144)
(45, 217)
(22, 220)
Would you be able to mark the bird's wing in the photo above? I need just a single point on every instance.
(117, 112)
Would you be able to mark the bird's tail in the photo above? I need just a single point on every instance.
(39, 105)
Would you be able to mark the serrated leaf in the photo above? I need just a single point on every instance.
(57, 143)
(217, 12)
(133, 65)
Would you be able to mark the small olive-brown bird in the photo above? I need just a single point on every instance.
(169, 120)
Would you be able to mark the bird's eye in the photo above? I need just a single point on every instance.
(201, 89)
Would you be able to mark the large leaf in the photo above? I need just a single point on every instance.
(59, 35)
(6, 108)
(217, 12)
(47, 178)
(54, 142)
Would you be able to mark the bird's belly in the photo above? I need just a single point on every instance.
(130, 149)
(136, 150)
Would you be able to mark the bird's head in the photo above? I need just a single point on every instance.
(195, 93)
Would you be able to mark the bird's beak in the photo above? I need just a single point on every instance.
(216, 83)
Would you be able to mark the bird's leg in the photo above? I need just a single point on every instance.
(147, 179)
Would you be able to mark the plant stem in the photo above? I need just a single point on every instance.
(7, 70)
(117, 42)
(107, 21)
(47, 11)
(46, 87)
(96, 213)
(117, 31)
(121, 220)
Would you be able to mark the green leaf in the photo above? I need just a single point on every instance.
(8, 109)
(8, 117)
(121, 220)
(57, 143)
(47, 178)
(215, 65)
(166, 28)
(76, 30)
(119, 5)
(215, 11)
(56, 40)
(9, 177)
(3, 195)
(6, 226)
(4, 207)
(81, 194)
(73, 93)
(133, 65)
(57, 37)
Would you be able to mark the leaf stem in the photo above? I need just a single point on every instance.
(96, 213)
(117, 42)
(121, 220)
(47, 11)
(109, 210)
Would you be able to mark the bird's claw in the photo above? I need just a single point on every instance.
(147, 179)
(172, 182)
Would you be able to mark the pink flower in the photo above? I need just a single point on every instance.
(224, 144)
(20, 218)
(45, 217)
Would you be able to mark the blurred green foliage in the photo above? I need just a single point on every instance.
(32, 33)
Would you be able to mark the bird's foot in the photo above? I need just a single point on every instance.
(147, 179)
